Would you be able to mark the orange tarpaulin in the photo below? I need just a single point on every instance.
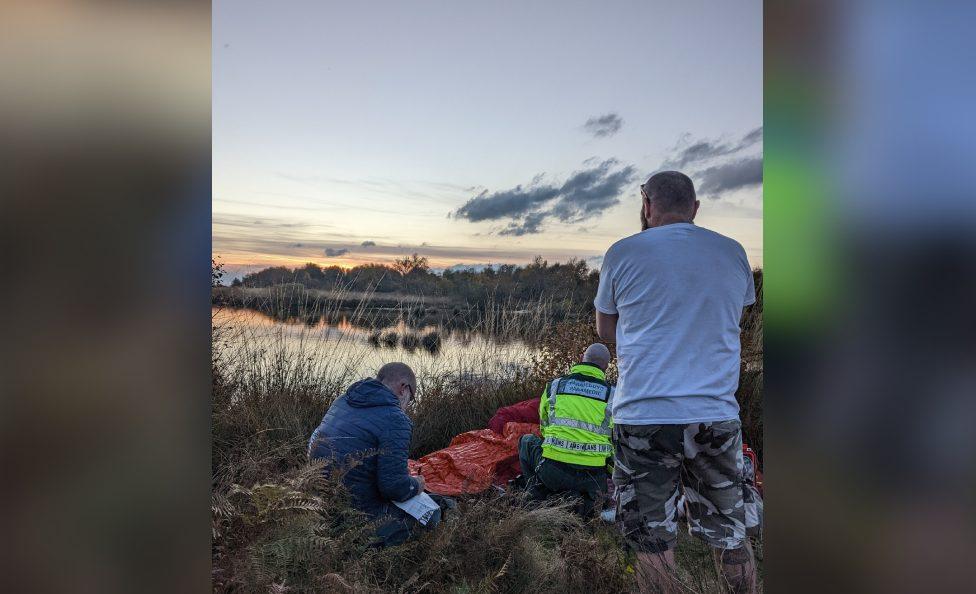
(474, 460)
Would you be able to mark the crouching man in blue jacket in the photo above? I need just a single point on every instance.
(366, 431)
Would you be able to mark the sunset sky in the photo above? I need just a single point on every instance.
(476, 132)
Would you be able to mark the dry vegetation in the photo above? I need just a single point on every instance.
(279, 526)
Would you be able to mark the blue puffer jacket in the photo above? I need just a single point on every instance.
(368, 418)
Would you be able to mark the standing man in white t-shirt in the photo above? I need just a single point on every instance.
(671, 297)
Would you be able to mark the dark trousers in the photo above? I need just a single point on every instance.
(546, 478)
(396, 526)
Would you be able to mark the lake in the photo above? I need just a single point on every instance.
(341, 349)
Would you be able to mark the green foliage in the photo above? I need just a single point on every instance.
(290, 531)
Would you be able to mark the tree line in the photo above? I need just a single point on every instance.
(567, 284)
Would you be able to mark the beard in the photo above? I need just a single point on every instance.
(644, 224)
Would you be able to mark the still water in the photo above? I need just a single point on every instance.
(342, 349)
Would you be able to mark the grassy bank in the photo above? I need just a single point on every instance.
(279, 526)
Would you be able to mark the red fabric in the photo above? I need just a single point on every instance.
(474, 460)
(526, 411)
(757, 477)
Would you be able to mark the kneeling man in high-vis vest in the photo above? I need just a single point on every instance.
(574, 414)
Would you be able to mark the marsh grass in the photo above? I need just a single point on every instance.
(279, 525)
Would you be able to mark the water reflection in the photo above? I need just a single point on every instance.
(360, 349)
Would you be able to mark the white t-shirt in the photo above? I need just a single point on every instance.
(679, 290)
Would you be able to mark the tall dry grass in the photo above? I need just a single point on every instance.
(750, 392)
(280, 526)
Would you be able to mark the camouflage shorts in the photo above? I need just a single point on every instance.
(653, 463)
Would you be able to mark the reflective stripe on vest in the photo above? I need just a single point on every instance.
(578, 447)
(598, 429)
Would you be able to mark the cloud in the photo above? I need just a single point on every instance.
(591, 191)
(336, 252)
(527, 226)
(727, 177)
(368, 243)
(702, 151)
(752, 137)
(509, 203)
(587, 193)
(720, 166)
(604, 126)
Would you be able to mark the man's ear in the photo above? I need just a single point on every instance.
(695, 212)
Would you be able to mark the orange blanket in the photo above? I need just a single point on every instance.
(474, 460)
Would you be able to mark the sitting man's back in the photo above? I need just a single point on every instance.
(366, 431)
(571, 456)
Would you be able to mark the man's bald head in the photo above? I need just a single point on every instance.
(598, 354)
(395, 375)
(392, 374)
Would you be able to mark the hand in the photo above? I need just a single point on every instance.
(422, 485)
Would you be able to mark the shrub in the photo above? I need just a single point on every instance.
(431, 341)
(390, 339)
(410, 341)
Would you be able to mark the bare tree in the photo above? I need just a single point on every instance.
(412, 263)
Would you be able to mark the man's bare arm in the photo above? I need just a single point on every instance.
(606, 326)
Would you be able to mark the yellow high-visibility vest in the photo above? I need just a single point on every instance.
(575, 417)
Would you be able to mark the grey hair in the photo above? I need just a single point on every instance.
(597, 354)
(392, 375)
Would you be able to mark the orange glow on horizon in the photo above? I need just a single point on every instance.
(249, 261)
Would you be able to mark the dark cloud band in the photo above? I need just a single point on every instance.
(719, 166)
(731, 176)
(702, 151)
(587, 193)
(509, 203)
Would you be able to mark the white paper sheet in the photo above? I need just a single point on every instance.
(421, 507)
